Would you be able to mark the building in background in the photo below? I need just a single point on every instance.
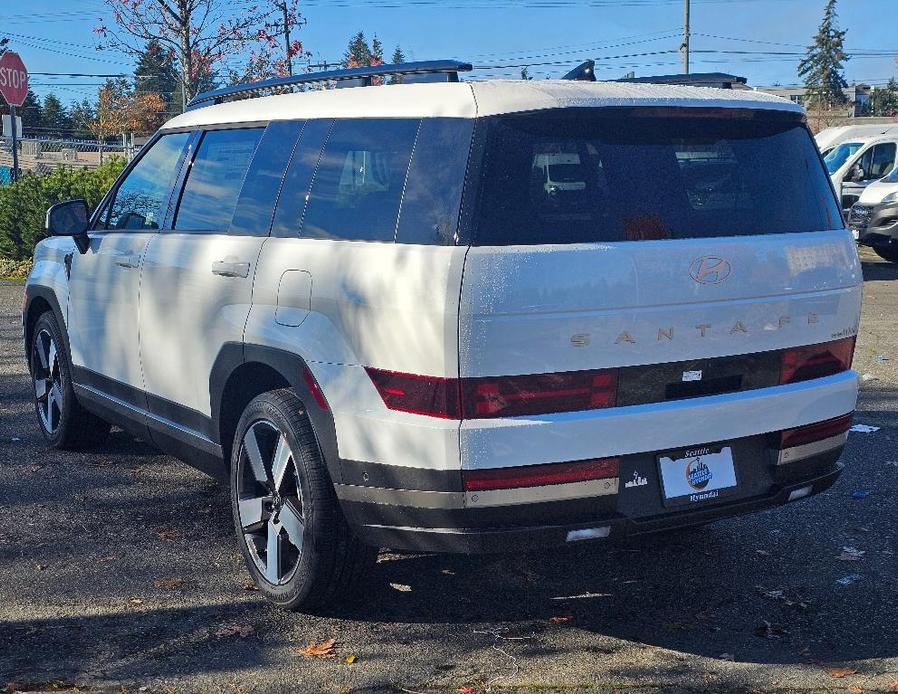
(858, 97)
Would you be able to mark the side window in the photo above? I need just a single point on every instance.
(295, 190)
(883, 160)
(436, 177)
(360, 179)
(141, 200)
(215, 178)
(255, 206)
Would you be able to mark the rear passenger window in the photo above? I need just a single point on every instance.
(360, 178)
(430, 204)
(215, 178)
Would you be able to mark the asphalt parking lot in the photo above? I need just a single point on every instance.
(119, 572)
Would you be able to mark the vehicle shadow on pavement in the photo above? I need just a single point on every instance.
(879, 270)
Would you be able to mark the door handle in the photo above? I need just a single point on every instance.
(128, 261)
(227, 268)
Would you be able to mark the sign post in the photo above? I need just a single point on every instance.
(14, 88)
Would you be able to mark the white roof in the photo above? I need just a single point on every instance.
(471, 100)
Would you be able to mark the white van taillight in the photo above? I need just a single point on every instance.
(816, 361)
(540, 475)
(503, 396)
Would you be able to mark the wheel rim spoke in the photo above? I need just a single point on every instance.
(291, 519)
(280, 461)
(40, 388)
(251, 444)
(43, 352)
(51, 357)
(273, 553)
(252, 512)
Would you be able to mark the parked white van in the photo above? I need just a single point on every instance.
(828, 138)
(874, 218)
(358, 307)
(855, 164)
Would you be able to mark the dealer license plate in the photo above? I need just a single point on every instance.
(697, 474)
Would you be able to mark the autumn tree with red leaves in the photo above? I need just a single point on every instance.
(202, 34)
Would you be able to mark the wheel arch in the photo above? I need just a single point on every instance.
(38, 301)
(243, 371)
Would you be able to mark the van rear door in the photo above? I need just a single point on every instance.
(698, 234)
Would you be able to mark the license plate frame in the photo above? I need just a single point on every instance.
(697, 475)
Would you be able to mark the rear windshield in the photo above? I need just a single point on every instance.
(576, 176)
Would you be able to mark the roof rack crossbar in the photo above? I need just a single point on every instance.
(449, 68)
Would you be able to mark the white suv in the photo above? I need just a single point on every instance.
(366, 310)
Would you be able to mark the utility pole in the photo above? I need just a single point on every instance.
(685, 47)
(287, 38)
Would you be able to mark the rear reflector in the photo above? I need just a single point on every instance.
(540, 475)
(315, 389)
(790, 438)
(816, 361)
(502, 396)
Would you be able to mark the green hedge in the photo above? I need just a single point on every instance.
(23, 205)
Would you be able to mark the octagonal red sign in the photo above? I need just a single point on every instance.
(13, 78)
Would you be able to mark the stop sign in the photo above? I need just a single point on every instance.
(13, 78)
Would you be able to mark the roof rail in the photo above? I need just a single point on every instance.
(362, 76)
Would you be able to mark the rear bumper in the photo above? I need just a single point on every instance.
(606, 517)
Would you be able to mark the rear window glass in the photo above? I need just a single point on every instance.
(580, 177)
(361, 174)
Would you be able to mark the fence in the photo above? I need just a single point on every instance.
(42, 156)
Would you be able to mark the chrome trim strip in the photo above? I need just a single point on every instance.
(493, 497)
(536, 495)
(400, 497)
(796, 453)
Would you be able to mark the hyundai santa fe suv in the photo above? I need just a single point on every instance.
(365, 309)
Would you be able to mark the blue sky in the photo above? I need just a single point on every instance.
(56, 36)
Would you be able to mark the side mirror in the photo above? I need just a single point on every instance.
(69, 218)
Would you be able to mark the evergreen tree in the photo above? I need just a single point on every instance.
(82, 116)
(884, 101)
(156, 72)
(398, 55)
(823, 68)
(31, 113)
(54, 117)
(358, 53)
(377, 51)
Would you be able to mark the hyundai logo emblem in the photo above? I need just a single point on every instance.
(709, 269)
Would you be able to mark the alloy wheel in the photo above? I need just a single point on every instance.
(47, 381)
(269, 502)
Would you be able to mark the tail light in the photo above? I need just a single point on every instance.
(512, 396)
(816, 361)
(791, 438)
(430, 395)
(540, 475)
(504, 396)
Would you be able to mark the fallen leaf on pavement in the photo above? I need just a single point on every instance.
(325, 649)
(854, 689)
(350, 659)
(168, 583)
(249, 585)
(560, 619)
(840, 672)
(135, 601)
(465, 690)
(895, 686)
(167, 535)
(241, 630)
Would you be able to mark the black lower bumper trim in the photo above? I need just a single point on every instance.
(523, 538)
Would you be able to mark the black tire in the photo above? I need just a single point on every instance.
(889, 254)
(64, 423)
(330, 561)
